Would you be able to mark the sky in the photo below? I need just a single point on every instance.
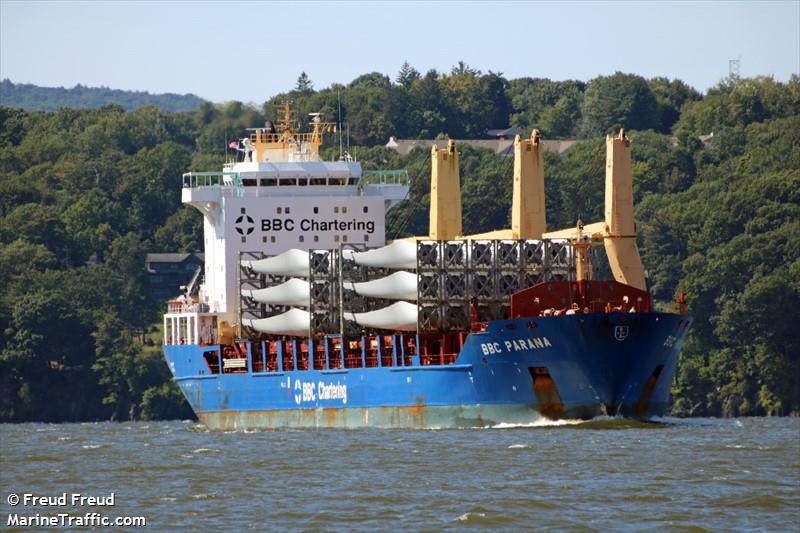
(250, 51)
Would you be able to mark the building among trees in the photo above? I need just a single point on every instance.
(167, 273)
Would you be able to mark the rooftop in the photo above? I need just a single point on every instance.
(171, 257)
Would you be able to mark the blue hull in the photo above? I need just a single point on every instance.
(576, 366)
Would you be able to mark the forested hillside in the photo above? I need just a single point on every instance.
(84, 194)
(32, 97)
(466, 102)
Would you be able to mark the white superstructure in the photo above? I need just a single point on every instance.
(279, 197)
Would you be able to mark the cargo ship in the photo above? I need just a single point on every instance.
(305, 317)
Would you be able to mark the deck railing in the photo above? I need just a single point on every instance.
(211, 179)
(385, 177)
(233, 180)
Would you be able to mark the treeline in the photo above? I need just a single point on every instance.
(86, 193)
(32, 97)
(465, 103)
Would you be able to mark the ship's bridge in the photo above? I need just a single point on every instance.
(280, 196)
(307, 178)
(270, 208)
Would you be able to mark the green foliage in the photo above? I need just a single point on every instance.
(407, 75)
(165, 402)
(671, 95)
(484, 177)
(731, 241)
(83, 194)
(739, 102)
(86, 193)
(304, 84)
(618, 101)
(181, 232)
(552, 107)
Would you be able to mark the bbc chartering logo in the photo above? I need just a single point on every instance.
(245, 225)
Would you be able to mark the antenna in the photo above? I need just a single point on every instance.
(733, 68)
(339, 125)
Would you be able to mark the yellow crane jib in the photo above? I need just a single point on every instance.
(620, 239)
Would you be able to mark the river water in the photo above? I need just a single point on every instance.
(695, 474)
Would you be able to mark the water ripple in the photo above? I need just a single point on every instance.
(603, 474)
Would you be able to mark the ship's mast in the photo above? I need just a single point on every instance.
(527, 203)
(284, 143)
(618, 230)
(445, 214)
(582, 244)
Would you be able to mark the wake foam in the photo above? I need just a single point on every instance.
(539, 423)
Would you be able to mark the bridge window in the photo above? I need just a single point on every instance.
(316, 210)
(366, 209)
(279, 210)
(286, 210)
(344, 209)
(301, 238)
(316, 238)
(336, 209)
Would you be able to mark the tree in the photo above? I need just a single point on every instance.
(551, 106)
(462, 69)
(740, 103)
(618, 101)
(181, 232)
(471, 109)
(427, 107)
(304, 84)
(91, 223)
(671, 95)
(561, 119)
(373, 80)
(407, 75)
(496, 88)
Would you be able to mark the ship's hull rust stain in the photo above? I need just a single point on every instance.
(398, 417)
